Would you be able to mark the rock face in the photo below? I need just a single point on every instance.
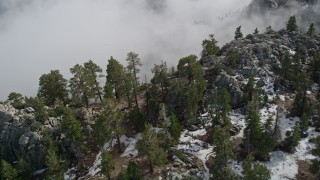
(260, 57)
(20, 135)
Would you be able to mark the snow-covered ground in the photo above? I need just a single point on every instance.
(202, 150)
(130, 151)
(282, 165)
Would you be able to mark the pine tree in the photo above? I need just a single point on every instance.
(315, 168)
(209, 46)
(16, 100)
(41, 113)
(81, 85)
(315, 67)
(255, 171)
(233, 58)
(259, 140)
(52, 87)
(269, 30)
(54, 169)
(115, 79)
(304, 124)
(24, 169)
(175, 128)
(238, 33)
(292, 24)
(312, 30)
(133, 172)
(7, 171)
(256, 31)
(109, 122)
(223, 108)
(94, 72)
(133, 66)
(161, 76)
(286, 67)
(151, 147)
(189, 88)
(71, 126)
(293, 138)
(106, 164)
(223, 151)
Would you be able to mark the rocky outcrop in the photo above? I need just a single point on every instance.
(260, 57)
(21, 135)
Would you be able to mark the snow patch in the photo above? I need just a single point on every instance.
(131, 143)
(282, 166)
(239, 120)
(198, 148)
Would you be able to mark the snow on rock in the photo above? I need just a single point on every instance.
(270, 110)
(130, 142)
(282, 166)
(198, 148)
(239, 120)
(303, 150)
(40, 171)
(200, 132)
(236, 167)
(292, 52)
(70, 174)
(96, 165)
(268, 88)
(286, 124)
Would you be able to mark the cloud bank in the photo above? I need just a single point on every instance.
(37, 36)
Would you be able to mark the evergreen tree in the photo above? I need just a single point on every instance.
(81, 85)
(54, 169)
(161, 76)
(52, 87)
(71, 126)
(255, 171)
(250, 88)
(151, 147)
(233, 58)
(304, 123)
(41, 113)
(8, 172)
(315, 67)
(137, 118)
(238, 33)
(133, 66)
(312, 30)
(132, 173)
(209, 46)
(292, 24)
(94, 72)
(223, 109)
(286, 67)
(223, 151)
(115, 81)
(293, 138)
(175, 127)
(16, 99)
(24, 169)
(189, 88)
(256, 31)
(109, 122)
(258, 140)
(106, 164)
(315, 168)
(269, 30)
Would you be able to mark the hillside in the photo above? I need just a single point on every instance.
(249, 109)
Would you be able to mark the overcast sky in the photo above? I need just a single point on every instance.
(37, 36)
